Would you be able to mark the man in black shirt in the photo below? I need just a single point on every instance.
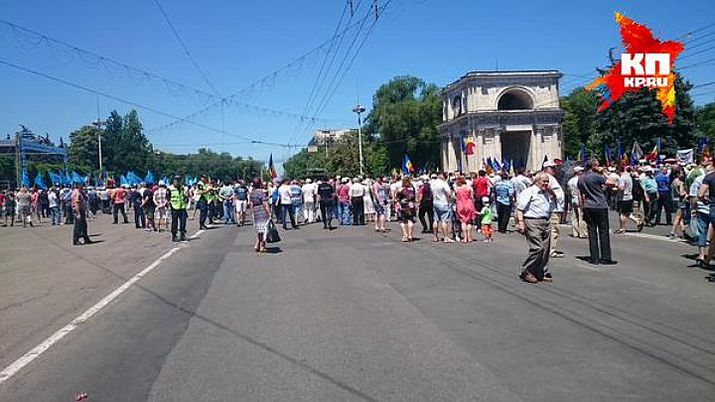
(592, 187)
(326, 198)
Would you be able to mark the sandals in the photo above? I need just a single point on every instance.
(621, 231)
(405, 239)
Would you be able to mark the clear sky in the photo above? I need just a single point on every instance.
(236, 43)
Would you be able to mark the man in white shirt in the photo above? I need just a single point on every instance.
(442, 196)
(309, 191)
(521, 182)
(286, 203)
(578, 226)
(550, 170)
(624, 204)
(533, 219)
(357, 194)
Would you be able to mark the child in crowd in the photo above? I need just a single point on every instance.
(486, 217)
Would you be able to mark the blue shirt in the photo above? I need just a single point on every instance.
(504, 191)
(649, 184)
(663, 182)
(296, 193)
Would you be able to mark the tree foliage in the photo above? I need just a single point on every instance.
(634, 117)
(127, 148)
(343, 158)
(405, 114)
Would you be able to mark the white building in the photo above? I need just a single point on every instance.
(327, 136)
(510, 115)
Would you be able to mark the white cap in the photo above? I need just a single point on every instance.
(345, 180)
(308, 180)
(578, 169)
(485, 200)
(549, 164)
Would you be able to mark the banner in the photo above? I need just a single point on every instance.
(686, 156)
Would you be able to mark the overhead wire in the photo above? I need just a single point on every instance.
(186, 49)
(139, 105)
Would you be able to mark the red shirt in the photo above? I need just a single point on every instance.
(481, 187)
(119, 195)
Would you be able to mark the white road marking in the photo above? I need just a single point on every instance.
(35, 352)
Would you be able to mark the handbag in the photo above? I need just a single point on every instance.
(272, 235)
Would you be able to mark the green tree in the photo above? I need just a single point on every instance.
(405, 114)
(578, 125)
(705, 121)
(638, 117)
(84, 147)
(127, 148)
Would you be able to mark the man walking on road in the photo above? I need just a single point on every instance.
(178, 201)
(555, 186)
(533, 219)
(593, 186)
(79, 208)
(326, 199)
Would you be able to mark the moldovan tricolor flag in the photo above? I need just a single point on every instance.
(407, 167)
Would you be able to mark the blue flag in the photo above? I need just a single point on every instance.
(149, 179)
(40, 182)
(407, 167)
(25, 179)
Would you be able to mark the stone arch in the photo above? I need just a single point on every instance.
(515, 98)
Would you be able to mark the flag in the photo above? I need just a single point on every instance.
(40, 182)
(25, 179)
(55, 178)
(76, 178)
(495, 164)
(636, 152)
(407, 167)
(653, 155)
(149, 178)
(624, 159)
(620, 149)
(507, 166)
(582, 154)
(123, 181)
(546, 159)
(468, 145)
(271, 168)
(511, 166)
(607, 154)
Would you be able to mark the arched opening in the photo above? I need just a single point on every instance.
(515, 99)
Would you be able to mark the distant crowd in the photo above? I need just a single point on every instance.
(450, 207)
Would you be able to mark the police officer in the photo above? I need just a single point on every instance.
(177, 202)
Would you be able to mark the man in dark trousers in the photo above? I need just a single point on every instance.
(326, 200)
(79, 209)
(592, 187)
(177, 202)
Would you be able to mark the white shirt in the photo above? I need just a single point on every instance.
(701, 206)
(357, 190)
(284, 191)
(440, 192)
(54, 202)
(521, 183)
(535, 203)
(560, 195)
(309, 190)
(573, 189)
(626, 182)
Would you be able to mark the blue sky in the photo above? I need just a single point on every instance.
(237, 43)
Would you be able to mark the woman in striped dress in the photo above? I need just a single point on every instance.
(261, 213)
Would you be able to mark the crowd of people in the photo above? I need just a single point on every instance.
(450, 207)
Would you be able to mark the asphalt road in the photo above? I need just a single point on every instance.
(351, 315)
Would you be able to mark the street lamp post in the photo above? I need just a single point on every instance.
(359, 109)
(99, 123)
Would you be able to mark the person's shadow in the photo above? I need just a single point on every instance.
(273, 250)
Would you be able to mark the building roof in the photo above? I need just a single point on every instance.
(505, 73)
